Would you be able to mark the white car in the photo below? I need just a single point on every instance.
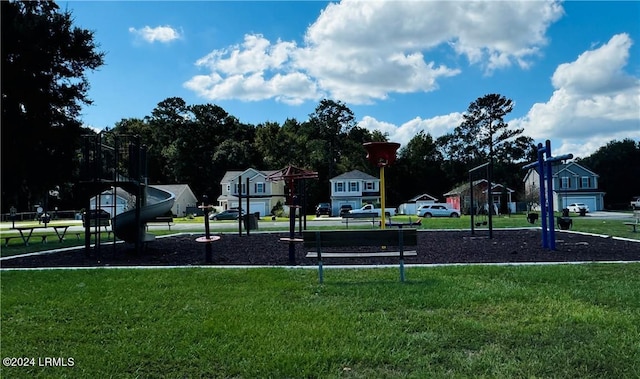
(575, 207)
(437, 210)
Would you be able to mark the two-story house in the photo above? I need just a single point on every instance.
(354, 188)
(572, 183)
(263, 194)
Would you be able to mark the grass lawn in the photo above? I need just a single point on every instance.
(563, 321)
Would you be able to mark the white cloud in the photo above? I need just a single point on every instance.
(163, 34)
(363, 51)
(594, 101)
(436, 127)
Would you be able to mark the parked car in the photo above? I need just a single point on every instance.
(345, 208)
(576, 207)
(635, 202)
(229, 214)
(323, 209)
(437, 210)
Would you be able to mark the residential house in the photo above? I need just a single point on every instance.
(571, 183)
(354, 188)
(123, 201)
(412, 205)
(185, 198)
(460, 197)
(263, 195)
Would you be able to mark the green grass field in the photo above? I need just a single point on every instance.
(564, 321)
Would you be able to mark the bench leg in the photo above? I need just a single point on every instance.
(320, 273)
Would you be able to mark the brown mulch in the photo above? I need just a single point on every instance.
(266, 249)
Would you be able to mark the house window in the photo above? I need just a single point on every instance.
(235, 188)
(258, 188)
(354, 186)
(369, 186)
(339, 187)
(585, 182)
(564, 182)
(228, 188)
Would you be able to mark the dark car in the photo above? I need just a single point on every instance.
(229, 214)
(323, 209)
(344, 209)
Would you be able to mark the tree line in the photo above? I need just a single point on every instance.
(44, 86)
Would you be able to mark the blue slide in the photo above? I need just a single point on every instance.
(159, 202)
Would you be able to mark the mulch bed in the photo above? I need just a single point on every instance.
(266, 249)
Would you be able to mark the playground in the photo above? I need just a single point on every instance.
(266, 249)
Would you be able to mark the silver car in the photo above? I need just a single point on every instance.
(437, 210)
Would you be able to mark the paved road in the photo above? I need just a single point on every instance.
(284, 225)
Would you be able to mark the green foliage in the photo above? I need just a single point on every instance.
(44, 59)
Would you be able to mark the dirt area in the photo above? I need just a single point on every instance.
(266, 249)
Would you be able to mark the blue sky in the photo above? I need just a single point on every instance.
(572, 68)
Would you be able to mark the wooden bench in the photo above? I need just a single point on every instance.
(636, 223)
(359, 217)
(161, 220)
(399, 238)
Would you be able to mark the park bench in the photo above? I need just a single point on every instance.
(321, 239)
(359, 217)
(636, 223)
(161, 220)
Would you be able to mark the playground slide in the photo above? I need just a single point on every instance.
(159, 202)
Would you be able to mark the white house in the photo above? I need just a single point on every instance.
(571, 183)
(124, 201)
(263, 195)
(412, 205)
(354, 188)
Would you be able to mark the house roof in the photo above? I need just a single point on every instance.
(176, 189)
(230, 176)
(465, 187)
(571, 167)
(355, 174)
(423, 197)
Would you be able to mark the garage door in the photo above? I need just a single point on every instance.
(589, 201)
(257, 207)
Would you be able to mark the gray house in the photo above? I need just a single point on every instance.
(572, 183)
(354, 188)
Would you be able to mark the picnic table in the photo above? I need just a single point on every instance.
(27, 231)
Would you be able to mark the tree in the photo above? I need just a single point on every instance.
(420, 162)
(44, 59)
(618, 165)
(482, 136)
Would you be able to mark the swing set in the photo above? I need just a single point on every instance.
(483, 212)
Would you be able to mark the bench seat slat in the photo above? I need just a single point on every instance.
(361, 238)
(352, 254)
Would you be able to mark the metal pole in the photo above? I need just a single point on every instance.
(382, 198)
(549, 175)
(490, 195)
(543, 200)
(472, 210)
(248, 219)
(240, 206)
